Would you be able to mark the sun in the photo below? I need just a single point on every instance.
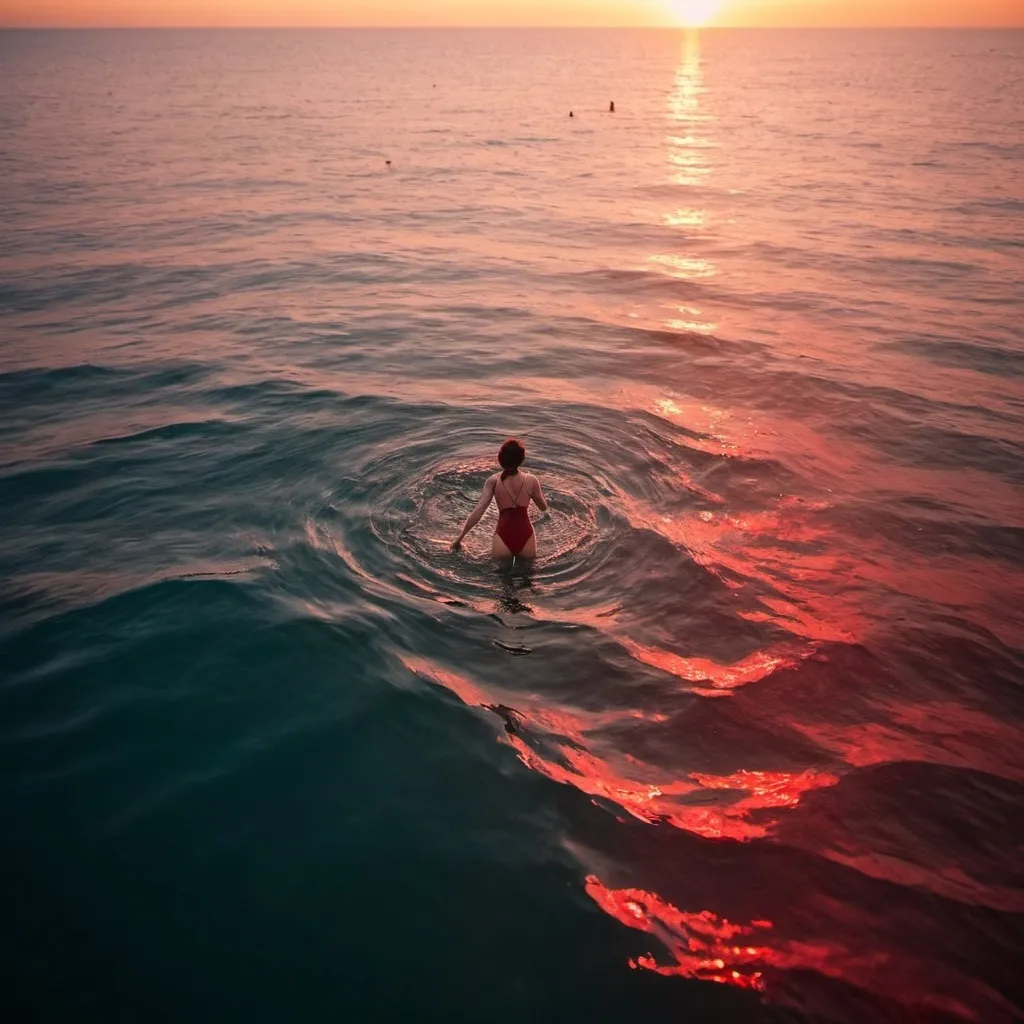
(693, 13)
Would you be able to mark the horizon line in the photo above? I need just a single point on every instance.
(510, 28)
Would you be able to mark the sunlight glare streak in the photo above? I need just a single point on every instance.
(688, 150)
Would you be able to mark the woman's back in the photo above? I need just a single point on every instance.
(511, 490)
(515, 491)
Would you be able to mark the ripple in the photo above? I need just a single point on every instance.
(417, 493)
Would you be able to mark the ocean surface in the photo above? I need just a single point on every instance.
(744, 745)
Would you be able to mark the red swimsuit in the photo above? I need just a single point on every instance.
(514, 526)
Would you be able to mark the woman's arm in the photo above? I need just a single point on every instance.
(538, 496)
(477, 513)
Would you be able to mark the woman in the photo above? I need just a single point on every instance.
(511, 491)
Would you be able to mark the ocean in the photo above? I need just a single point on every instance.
(743, 745)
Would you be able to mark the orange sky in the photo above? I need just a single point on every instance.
(510, 12)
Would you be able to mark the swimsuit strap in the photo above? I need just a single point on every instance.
(515, 500)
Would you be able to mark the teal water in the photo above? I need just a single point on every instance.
(743, 745)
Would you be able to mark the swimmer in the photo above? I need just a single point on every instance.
(611, 107)
(511, 490)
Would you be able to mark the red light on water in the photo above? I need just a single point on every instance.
(701, 944)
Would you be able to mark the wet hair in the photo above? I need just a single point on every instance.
(511, 456)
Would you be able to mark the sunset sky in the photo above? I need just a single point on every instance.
(510, 12)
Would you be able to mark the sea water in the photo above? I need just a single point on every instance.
(270, 302)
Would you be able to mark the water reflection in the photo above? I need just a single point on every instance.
(689, 143)
(515, 579)
(720, 933)
(702, 945)
(688, 139)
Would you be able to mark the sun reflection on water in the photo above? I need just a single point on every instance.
(566, 746)
(688, 145)
(702, 944)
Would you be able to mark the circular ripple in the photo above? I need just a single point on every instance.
(418, 523)
(415, 496)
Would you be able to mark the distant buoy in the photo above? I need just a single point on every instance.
(611, 107)
(571, 114)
